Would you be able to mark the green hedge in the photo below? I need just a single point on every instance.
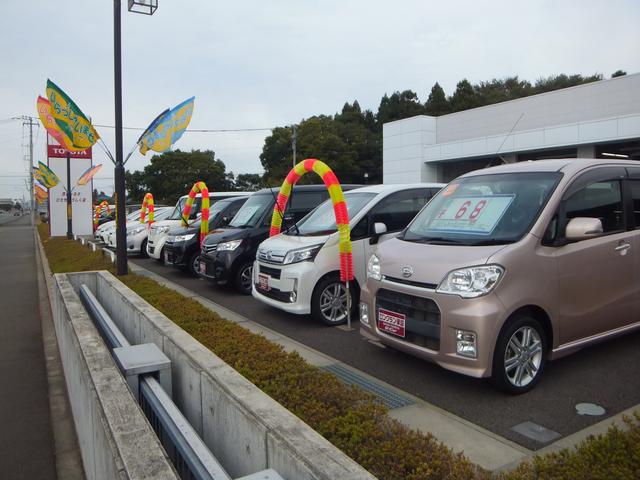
(348, 417)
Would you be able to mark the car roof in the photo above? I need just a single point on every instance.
(392, 187)
(308, 188)
(566, 165)
(221, 194)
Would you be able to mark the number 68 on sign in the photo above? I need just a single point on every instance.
(471, 214)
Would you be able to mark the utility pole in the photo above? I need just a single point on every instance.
(294, 137)
(31, 122)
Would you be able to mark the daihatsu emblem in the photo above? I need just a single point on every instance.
(269, 255)
(406, 271)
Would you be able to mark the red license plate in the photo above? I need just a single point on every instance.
(263, 282)
(391, 322)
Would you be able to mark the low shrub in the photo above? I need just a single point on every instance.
(614, 455)
(348, 417)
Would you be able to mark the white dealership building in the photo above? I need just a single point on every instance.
(596, 120)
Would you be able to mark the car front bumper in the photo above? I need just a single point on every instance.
(482, 316)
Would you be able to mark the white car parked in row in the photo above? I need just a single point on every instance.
(103, 231)
(137, 232)
(159, 230)
(298, 270)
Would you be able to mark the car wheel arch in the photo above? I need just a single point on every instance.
(534, 311)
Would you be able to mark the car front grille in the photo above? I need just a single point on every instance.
(208, 249)
(275, 294)
(422, 316)
(272, 272)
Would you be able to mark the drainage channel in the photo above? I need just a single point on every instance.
(386, 396)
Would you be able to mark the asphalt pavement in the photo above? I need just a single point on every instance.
(26, 441)
(605, 374)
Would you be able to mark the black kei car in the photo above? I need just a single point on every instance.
(182, 248)
(228, 253)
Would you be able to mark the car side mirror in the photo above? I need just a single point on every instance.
(582, 228)
(378, 229)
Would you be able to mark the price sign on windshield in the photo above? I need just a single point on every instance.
(471, 214)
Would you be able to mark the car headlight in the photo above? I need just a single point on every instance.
(232, 245)
(302, 254)
(471, 282)
(373, 268)
(183, 238)
(164, 229)
(136, 230)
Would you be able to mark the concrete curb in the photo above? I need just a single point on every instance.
(66, 448)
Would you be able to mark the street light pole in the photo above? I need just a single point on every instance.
(121, 199)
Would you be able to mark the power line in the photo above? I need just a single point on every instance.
(199, 130)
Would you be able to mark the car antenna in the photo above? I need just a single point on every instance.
(275, 200)
(505, 139)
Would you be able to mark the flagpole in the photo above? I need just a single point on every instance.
(69, 204)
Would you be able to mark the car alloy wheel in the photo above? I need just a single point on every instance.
(523, 356)
(244, 277)
(333, 303)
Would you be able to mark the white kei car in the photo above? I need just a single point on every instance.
(137, 232)
(103, 231)
(298, 270)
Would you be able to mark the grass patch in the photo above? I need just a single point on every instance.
(346, 416)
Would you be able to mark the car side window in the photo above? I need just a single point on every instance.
(602, 200)
(398, 209)
(634, 187)
(303, 202)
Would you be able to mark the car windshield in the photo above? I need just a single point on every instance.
(134, 215)
(322, 220)
(214, 209)
(162, 214)
(483, 209)
(179, 208)
(252, 211)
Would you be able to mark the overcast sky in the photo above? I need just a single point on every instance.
(261, 64)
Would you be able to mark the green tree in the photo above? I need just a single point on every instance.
(437, 103)
(172, 174)
(618, 73)
(556, 82)
(248, 182)
(464, 97)
(398, 106)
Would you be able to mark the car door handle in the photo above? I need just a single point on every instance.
(624, 246)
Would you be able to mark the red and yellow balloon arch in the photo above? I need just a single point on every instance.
(147, 205)
(201, 188)
(339, 209)
(99, 208)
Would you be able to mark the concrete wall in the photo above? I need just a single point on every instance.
(115, 438)
(242, 426)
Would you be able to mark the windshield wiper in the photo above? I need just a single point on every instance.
(439, 241)
(490, 242)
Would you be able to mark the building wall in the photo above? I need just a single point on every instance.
(578, 117)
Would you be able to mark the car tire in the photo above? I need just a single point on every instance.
(143, 249)
(325, 305)
(243, 278)
(193, 265)
(520, 355)
(161, 259)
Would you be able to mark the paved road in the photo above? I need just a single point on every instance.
(606, 374)
(26, 441)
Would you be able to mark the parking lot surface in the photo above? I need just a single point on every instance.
(605, 374)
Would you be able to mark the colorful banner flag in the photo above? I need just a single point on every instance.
(88, 174)
(49, 123)
(47, 177)
(40, 192)
(70, 120)
(167, 128)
